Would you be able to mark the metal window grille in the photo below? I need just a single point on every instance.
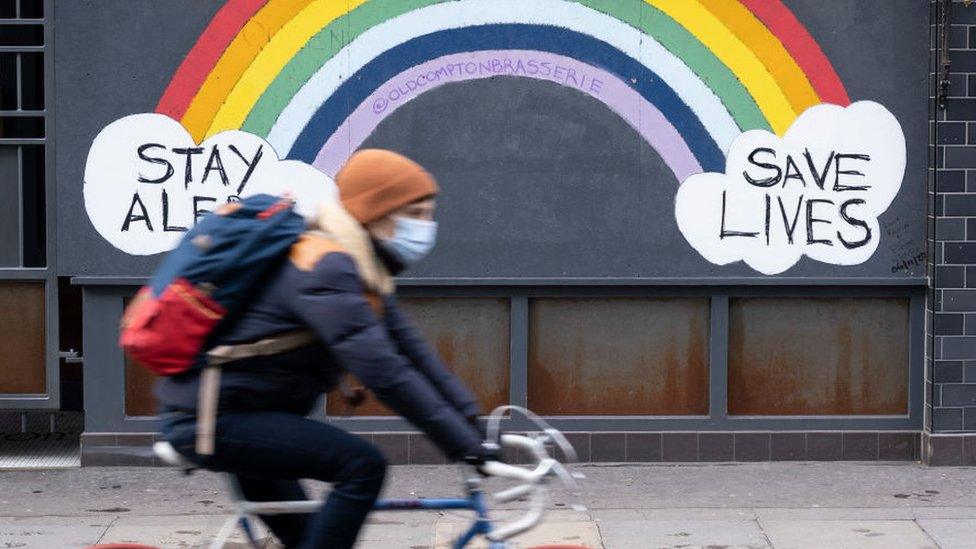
(23, 125)
(27, 226)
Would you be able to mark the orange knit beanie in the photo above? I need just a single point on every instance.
(375, 182)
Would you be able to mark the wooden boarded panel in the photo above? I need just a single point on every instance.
(471, 335)
(818, 356)
(139, 400)
(618, 356)
(22, 338)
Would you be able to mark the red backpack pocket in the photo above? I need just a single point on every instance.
(166, 334)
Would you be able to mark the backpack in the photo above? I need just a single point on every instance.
(208, 276)
(199, 286)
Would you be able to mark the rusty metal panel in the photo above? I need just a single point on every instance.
(470, 334)
(645, 356)
(818, 356)
(22, 338)
(336, 406)
(139, 400)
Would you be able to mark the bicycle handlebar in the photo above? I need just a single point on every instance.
(533, 484)
(533, 480)
(504, 470)
(529, 476)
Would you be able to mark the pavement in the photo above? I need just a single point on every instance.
(715, 506)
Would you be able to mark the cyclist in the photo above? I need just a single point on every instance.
(337, 283)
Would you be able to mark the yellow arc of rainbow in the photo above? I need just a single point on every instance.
(768, 50)
(707, 28)
(273, 58)
(252, 39)
(282, 27)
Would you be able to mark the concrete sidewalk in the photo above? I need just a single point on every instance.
(780, 505)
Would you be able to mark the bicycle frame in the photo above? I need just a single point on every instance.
(474, 502)
(532, 486)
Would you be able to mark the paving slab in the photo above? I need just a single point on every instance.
(615, 514)
(169, 531)
(778, 485)
(52, 532)
(944, 512)
(505, 515)
(746, 485)
(836, 513)
(846, 534)
(409, 518)
(578, 533)
(951, 534)
(698, 513)
(388, 536)
(632, 507)
(683, 534)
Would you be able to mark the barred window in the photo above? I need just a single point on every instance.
(22, 132)
(23, 236)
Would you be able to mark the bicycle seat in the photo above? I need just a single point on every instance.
(165, 451)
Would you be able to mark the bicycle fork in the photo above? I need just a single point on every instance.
(481, 526)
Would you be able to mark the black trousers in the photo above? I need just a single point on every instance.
(269, 452)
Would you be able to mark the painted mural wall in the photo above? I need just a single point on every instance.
(765, 155)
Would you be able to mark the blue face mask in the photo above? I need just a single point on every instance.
(412, 239)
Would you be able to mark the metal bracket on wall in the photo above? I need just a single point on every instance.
(71, 356)
(944, 25)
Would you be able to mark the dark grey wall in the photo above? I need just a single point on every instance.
(112, 58)
(540, 181)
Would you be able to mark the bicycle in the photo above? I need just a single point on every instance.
(532, 485)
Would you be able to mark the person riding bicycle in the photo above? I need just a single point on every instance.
(337, 282)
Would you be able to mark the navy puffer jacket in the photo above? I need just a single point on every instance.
(320, 289)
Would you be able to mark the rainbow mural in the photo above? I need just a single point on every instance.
(316, 77)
